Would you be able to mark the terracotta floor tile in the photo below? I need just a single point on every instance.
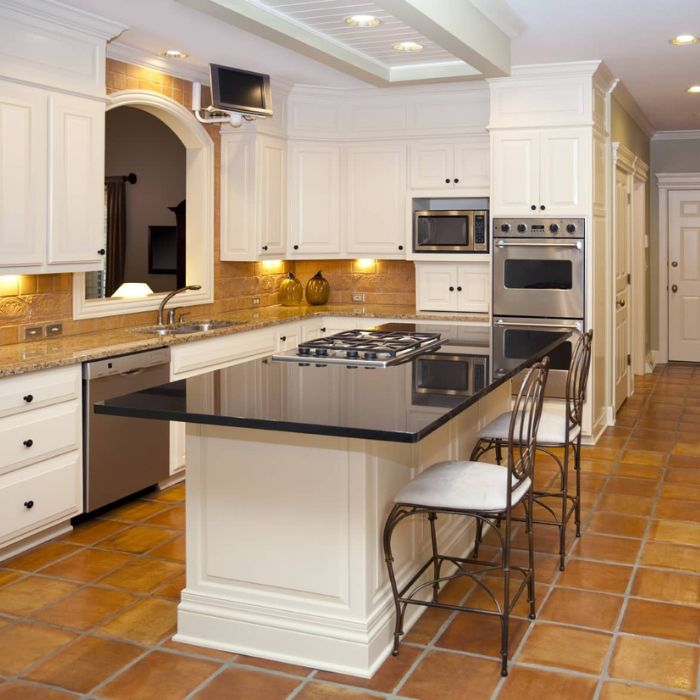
(629, 691)
(628, 505)
(452, 677)
(478, 598)
(455, 590)
(683, 476)
(607, 453)
(427, 626)
(683, 461)
(604, 548)
(143, 575)
(324, 691)
(608, 578)
(385, 679)
(647, 445)
(146, 623)
(28, 595)
(87, 565)
(667, 586)
(85, 608)
(173, 550)
(675, 532)
(40, 556)
(644, 457)
(670, 509)
(172, 589)
(641, 471)
(657, 662)
(614, 441)
(18, 690)
(22, 645)
(138, 539)
(671, 556)
(137, 510)
(688, 449)
(244, 684)
(681, 492)
(159, 675)
(85, 663)
(582, 608)
(193, 650)
(533, 684)
(481, 634)
(173, 517)
(676, 622)
(617, 524)
(174, 494)
(631, 486)
(93, 531)
(8, 576)
(596, 466)
(566, 647)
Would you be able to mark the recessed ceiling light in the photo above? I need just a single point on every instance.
(363, 21)
(174, 53)
(408, 46)
(684, 40)
(694, 89)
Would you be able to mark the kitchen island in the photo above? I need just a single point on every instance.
(292, 468)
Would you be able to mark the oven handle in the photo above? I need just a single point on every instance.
(573, 326)
(538, 244)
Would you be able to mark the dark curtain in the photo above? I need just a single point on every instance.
(115, 188)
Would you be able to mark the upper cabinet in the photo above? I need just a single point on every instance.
(52, 104)
(459, 165)
(544, 172)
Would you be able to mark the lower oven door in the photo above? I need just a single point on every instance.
(538, 278)
(515, 339)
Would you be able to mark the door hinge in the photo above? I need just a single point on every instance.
(629, 360)
(629, 278)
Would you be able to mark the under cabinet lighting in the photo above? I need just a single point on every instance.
(132, 290)
(269, 266)
(408, 46)
(363, 21)
(365, 265)
(174, 53)
(684, 40)
(694, 89)
(9, 285)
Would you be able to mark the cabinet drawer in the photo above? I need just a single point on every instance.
(46, 431)
(195, 358)
(36, 495)
(28, 391)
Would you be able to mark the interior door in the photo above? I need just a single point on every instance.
(684, 276)
(621, 242)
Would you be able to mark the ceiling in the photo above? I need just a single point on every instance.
(308, 41)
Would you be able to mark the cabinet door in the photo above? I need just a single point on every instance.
(565, 165)
(431, 166)
(288, 336)
(471, 164)
(272, 196)
(23, 166)
(314, 199)
(474, 288)
(436, 287)
(238, 239)
(376, 197)
(76, 180)
(515, 173)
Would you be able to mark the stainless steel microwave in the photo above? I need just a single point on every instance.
(445, 231)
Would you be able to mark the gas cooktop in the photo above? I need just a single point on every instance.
(361, 348)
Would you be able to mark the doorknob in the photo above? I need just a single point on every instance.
(674, 288)
(674, 263)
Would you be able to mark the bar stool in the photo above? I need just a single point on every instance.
(560, 428)
(482, 491)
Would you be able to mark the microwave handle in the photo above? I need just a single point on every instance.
(537, 244)
(573, 325)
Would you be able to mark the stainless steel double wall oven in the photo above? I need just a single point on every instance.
(538, 288)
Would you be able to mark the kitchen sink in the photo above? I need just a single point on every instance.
(187, 327)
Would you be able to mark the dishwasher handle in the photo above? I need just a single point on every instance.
(126, 365)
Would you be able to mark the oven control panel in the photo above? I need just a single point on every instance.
(538, 228)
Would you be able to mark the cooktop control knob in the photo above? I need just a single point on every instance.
(522, 228)
(505, 228)
(571, 228)
(554, 228)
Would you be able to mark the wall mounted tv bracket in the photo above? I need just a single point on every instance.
(211, 115)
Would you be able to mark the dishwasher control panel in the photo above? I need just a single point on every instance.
(123, 364)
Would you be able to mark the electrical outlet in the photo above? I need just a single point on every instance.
(358, 296)
(53, 329)
(33, 333)
(256, 301)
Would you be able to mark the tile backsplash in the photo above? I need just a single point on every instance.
(27, 300)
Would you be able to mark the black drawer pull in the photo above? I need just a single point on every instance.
(28, 443)
(28, 398)
(400, 247)
(447, 180)
(323, 330)
(101, 251)
(456, 180)
(283, 338)
(459, 289)
(264, 247)
(542, 207)
(29, 505)
(533, 207)
(296, 247)
(452, 289)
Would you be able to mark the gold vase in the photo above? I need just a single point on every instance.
(291, 291)
(317, 289)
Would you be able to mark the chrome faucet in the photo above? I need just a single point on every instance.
(169, 296)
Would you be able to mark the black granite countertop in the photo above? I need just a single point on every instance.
(400, 403)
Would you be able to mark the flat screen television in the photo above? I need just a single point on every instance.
(235, 90)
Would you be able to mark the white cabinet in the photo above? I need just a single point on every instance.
(41, 462)
(253, 196)
(462, 287)
(314, 199)
(51, 181)
(375, 204)
(543, 172)
(450, 165)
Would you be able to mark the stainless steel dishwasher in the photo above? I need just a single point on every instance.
(122, 455)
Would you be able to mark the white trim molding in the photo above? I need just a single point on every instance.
(200, 209)
(681, 135)
(624, 98)
(665, 182)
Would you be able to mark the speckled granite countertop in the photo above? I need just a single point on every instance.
(19, 358)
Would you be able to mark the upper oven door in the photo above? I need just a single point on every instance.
(538, 278)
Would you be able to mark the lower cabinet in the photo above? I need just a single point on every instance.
(464, 287)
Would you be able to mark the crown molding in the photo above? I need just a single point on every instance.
(629, 104)
(681, 135)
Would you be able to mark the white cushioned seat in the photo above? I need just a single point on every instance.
(462, 486)
(551, 430)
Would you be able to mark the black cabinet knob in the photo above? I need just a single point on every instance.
(533, 207)
(542, 207)
(400, 247)
(283, 338)
(28, 398)
(459, 289)
(456, 180)
(447, 180)
(264, 247)
(101, 251)
(29, 505)
(323, 330)
(452, 289)
(296, 247)
(28, 443)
